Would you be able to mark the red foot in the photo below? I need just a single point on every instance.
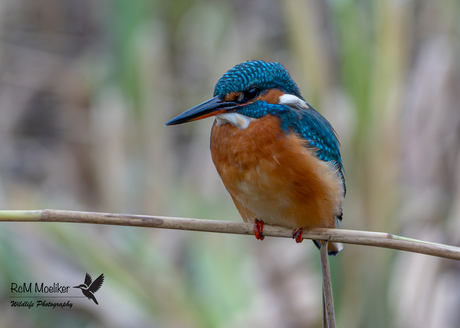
(259, 229)
(297, 235)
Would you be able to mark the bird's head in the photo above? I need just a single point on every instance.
(247, 91)
(82, 286)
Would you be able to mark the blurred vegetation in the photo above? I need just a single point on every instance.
(85, 88)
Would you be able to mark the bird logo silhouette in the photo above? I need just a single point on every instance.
(89, 287)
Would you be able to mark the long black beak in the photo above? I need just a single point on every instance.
(212, 107)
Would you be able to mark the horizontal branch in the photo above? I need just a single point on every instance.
(378, 239)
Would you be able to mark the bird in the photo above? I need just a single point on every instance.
(89, 287)
(278, 157)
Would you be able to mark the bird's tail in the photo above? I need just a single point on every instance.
(332, 248)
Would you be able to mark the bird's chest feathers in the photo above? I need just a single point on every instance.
(246, 158)
(269, 171)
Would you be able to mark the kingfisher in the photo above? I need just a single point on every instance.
(277, 156)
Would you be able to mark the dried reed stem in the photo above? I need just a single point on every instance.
(357, 237)
(328, 299)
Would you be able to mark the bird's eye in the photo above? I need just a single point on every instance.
(250, 94)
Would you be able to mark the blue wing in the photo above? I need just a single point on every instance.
(316, 130)
(321, 135)
(318, 133)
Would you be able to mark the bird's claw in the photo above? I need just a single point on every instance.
(258, 229)
(297, 235)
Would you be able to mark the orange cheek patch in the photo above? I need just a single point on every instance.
(271, 96)
(232, 96)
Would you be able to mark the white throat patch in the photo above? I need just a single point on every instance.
(235, 119)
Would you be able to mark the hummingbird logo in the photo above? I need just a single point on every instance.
(89, 287)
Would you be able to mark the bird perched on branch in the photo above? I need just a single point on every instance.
(278, 157)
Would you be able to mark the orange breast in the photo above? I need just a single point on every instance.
(273, 177)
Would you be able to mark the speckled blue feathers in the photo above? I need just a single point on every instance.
(320, 134)
(256, 73)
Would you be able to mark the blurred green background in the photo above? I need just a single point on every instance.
(85, 88)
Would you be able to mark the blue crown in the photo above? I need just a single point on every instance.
(256, 74)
